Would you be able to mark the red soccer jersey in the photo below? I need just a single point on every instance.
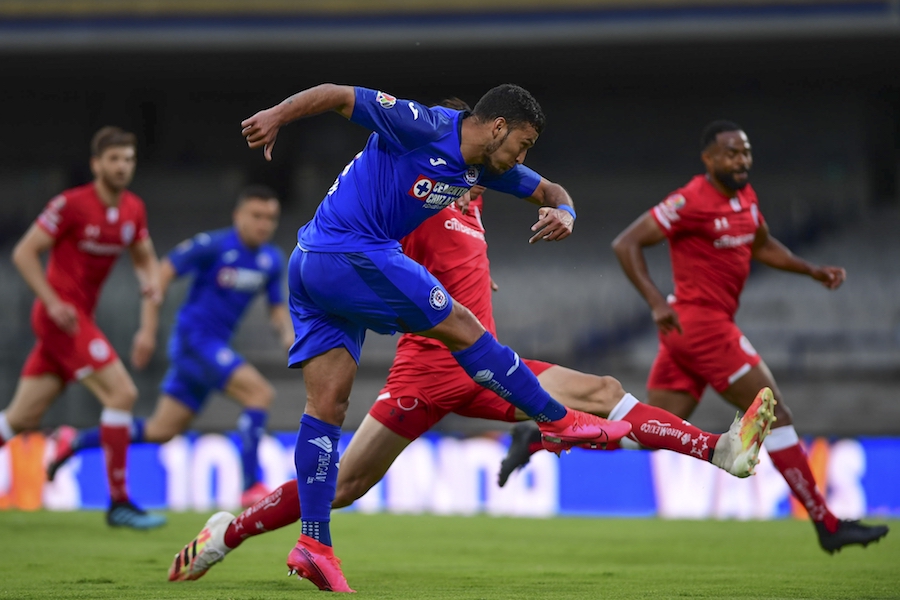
(89, 237)
(452, 247)
(710, 238)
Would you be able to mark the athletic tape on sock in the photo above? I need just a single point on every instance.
(781, 438)
(115, 417)
(622, 408)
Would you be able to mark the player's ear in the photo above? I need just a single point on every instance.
(499, 126)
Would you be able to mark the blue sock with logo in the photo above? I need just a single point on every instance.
(251, 427)
(316, 459)
(498, 368)
(90, 438)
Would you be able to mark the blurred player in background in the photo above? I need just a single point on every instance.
(230, 267)
(425, 384)
(348, 274)
(85, 229)
(714, 228)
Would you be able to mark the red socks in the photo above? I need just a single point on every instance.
(115, 436)
(278, 509)
(791, 461)
(657, 429)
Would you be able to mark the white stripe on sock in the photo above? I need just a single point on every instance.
(781, 438)
(622, 408)
(115, 417)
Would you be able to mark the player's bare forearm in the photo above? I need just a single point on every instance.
(554, 223)
(550, 194)
(629, 249)
(27, 259)
(147, 271)
(261, 129)
(316, 100)
(774, 254)
(281, 323)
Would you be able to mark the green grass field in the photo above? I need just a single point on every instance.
(74, 555)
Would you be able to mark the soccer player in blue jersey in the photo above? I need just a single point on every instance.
(230, 267)
(348, 274)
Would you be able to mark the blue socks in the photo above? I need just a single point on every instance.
(498, 369)
(90, 438)
(251, 427)
(316, 459)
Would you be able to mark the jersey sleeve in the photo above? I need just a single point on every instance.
(274, 292)
(194, 254)
(57, 217)
(519, 181)
(403, 124)
(670, 212)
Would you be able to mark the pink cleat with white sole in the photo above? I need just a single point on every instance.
(313, 560)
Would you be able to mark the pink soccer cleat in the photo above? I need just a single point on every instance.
(581, 429)
(313, 560)
(63, 436)
(254, 494)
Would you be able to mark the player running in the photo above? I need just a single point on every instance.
(714, 228)
(425, 383)
(85, 229)
(230, 267)
(348, 273)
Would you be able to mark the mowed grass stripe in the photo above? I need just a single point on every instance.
(74, 555)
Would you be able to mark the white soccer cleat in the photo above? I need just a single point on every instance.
(737, 450)
(207, 549)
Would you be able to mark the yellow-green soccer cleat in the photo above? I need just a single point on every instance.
(737, 450)
(207, 549)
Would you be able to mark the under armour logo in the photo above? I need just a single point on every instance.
(323, 442)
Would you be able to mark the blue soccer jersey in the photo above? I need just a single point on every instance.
(410, 168)
(227, 276)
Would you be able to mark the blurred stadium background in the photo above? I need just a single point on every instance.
(627, 86)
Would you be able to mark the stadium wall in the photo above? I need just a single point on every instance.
(450, 475)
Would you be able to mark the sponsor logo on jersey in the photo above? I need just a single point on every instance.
(240, 280)
(455, 225)
(436, 194)
(91, 231)
(735, 204)
(437, 298)
(733, 241)
(127, 232)
(98, 349)
(264, 261)
(112, 214)
(100, 249)
(230, 256)
(472, 174)
(385, 100)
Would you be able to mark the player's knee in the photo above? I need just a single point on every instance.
(124, 397)
(606, 392)
(263, 395)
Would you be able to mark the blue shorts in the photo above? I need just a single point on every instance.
(198, 365)
(336, 297)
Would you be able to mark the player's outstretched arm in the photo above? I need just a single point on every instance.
(261, 129)
(629, 248)
(771, 252)
(147, 270)
(556, 217)
(27, 258)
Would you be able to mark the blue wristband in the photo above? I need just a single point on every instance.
(568, 209)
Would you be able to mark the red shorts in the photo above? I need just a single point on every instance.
(69, 357)
(711, 351)
(416, 396)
